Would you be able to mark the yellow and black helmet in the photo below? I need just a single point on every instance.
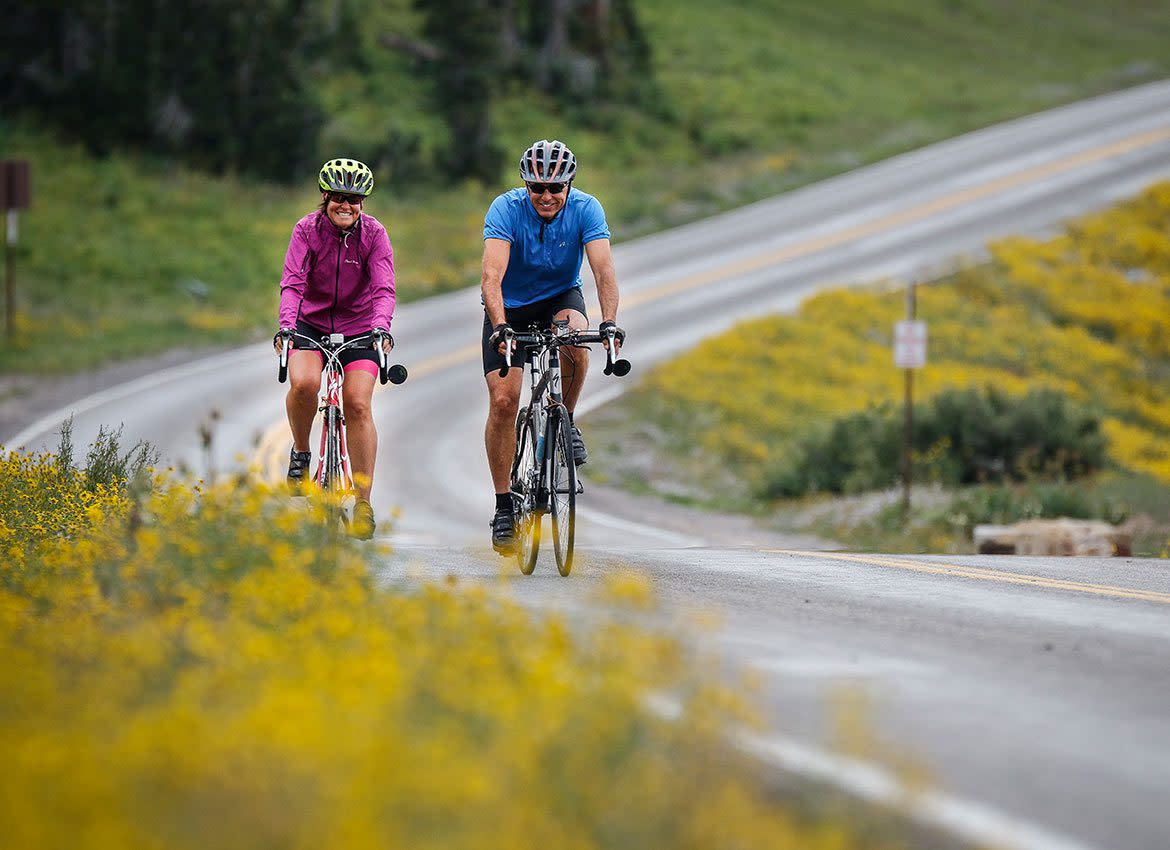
(346, 175)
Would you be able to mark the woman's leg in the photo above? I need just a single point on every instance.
(360, 435)
(304, 374)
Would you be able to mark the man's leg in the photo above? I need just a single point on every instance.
(500, 433)
(574, 361)
(574, 366)
(500, 440)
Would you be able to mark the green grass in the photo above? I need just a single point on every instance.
(127, 256)
(755, 97)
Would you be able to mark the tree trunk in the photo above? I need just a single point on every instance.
(509, 33)
(556, 42)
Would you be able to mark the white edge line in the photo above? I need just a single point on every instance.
(599, 398)
(52, 420)
(966, 819)
(669, 537)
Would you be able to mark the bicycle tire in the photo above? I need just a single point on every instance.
(562, 490)
(332, 480)
(525, 475)
(327, 465)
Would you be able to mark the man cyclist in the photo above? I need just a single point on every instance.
(534, 239)
(338, 278)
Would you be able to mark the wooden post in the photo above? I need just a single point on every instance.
(10, 277)
(14, 195)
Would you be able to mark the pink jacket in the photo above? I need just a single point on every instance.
(337, 281)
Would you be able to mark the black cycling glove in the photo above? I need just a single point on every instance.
(386, 337)
(618, 333)
(498, 335)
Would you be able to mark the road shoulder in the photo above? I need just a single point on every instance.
(26, 398)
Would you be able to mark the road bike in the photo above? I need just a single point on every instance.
(333, 476)
(544, 476)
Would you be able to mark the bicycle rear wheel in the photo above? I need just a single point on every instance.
(525, 478)
(562, 490)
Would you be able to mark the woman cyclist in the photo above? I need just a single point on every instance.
(338, 278)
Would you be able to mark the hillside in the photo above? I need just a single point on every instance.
(1084, 316)
(130, 255)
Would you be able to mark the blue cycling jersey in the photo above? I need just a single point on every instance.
(545, 259)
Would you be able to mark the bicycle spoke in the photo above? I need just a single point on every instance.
(333, 479)
(525, 472)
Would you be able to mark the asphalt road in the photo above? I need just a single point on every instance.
(1036, 714)
(1033, 691)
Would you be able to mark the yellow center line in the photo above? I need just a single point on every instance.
(984, 574)
(914, 214)
(276, 438)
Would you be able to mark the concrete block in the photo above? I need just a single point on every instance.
(1085, 538)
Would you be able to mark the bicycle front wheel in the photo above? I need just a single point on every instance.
(525, 477)
(333, 477)
(562, 490)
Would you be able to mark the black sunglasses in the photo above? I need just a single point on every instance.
(339, 198)
(551, 188)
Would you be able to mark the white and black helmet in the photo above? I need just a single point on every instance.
(548, 162)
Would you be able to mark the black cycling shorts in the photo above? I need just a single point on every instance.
(349, 357)
(539, 313)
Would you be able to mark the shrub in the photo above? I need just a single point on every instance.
(45, 496)
(105, 462)
(993, 436)
(851, 454)
(959, 437)
(1006, 504)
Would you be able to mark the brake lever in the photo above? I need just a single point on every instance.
(510, 347)
(619, 367)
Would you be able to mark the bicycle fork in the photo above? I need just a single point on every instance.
(555, 410)
(540, 434)
(333, 421)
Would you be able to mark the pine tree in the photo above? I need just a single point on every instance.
(466, 74)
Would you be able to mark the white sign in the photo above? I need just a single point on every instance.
(910, 345)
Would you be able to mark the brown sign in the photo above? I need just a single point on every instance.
(14, 184)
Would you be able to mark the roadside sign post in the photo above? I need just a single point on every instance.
(14, 196)
(909, 354)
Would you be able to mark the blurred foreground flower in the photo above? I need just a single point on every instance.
(218, 669)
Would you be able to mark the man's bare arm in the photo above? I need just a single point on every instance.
(495, 262)
(601, 262)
